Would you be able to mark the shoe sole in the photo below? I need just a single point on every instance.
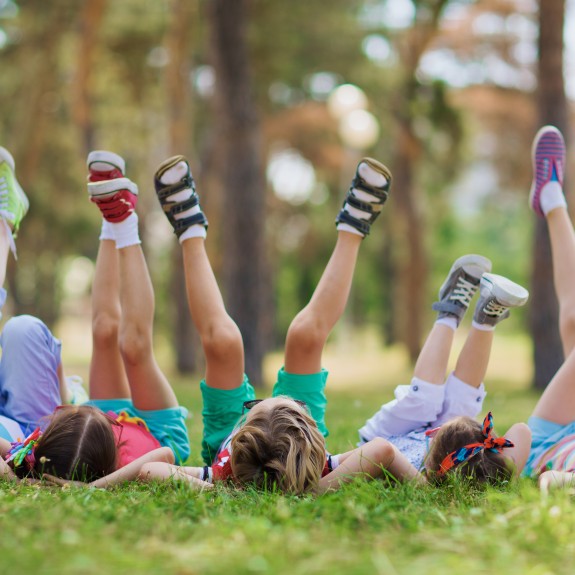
(473, 265)
(6, 156)
(378, 167)
(553, 149)
(168, 164)
(108, 188)
(108, 158)
(506, 292)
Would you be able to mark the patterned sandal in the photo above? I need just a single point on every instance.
(373, 209)
(173, 208)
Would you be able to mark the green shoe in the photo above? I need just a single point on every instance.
(13, 201)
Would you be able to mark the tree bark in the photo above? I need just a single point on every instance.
(243, 181)
(552, 109)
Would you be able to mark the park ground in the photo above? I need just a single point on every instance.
(371, 528)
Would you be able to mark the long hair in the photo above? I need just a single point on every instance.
(78, 444)
(485, 467)
(279, 448)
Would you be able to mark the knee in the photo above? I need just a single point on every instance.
(567, 323)
(23, 328)
(222, 341)
(135, 345)
(306, 335)
(105, 330)
(383, 451)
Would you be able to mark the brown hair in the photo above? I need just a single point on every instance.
(485, 467)
(280, 447)
(78, 444)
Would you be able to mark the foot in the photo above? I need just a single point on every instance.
(548, 157)
(13, 201)
(116, 199)
(114, 194)
(364, 200)
(176, 191)
(104, 165)
(497, 295)
(460, 286)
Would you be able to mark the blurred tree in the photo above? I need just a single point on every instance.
(552, 109)
(243, 182)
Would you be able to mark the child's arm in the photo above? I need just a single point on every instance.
(520, 435)
(157, 471)
(556, 479)
(371, 459)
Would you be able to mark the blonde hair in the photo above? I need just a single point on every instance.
(279, 447)
(484, 467)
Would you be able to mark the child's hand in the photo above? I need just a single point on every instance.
(53, 480)
(554, 479)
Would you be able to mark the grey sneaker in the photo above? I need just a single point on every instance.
(497, 295)
(460, 286)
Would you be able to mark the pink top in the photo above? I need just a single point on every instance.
(132, 437)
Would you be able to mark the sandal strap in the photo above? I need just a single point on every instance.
(381, 192)
(173, 208)
(165, 190)
(368, 207)
(181, 225)
(362, 226)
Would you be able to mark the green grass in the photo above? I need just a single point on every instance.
(367, 528)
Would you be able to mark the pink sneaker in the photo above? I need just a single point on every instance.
(103, 165)
(548, 157)
(116, 198)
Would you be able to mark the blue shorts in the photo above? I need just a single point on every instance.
(168, 425)
(222, 408)
(544, 434)
(29, 384)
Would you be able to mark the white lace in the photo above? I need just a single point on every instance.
(463, 291)
(3, 193)
(494, 308)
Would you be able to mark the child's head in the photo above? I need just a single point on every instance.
(465, 446)
(278, 445)
(78, 443)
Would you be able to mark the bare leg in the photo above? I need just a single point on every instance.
(4, 250)
(107, 376)
(150, 388)
(221, 339)
(311, 327)
(557, 403)
(432, 361)
(473, 360)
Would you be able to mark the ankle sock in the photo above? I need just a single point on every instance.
(172, 176)
(552, 197)
(482, 326)
(373, 178)
(448, 320)
(107, 232)
(126, 232)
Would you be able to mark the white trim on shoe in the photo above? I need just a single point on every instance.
(108, 158)
(108, 188)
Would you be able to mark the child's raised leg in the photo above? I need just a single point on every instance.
(557, 403)
(225, 387)
(124, 294)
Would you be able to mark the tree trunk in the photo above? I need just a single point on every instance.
(552, 109)
(243, 182)
(179, 97)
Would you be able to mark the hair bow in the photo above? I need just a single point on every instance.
(465, 453)
(23, 451)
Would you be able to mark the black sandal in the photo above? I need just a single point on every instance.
(171, 209)
(372, 208)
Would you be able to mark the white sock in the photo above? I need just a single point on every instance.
(552, 197)
(374, 179)
(126, 232)
(107, 232)
(173, 176)
(482, 326)
(449, 320)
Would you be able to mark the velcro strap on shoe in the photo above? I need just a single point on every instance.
(448, 307)
(362, 226)
(381, 192)
(179, 207)
(181, 225)
(367, 207)
(164, 191)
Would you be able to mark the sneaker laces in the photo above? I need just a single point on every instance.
(463, 291)
(3, 194)
(494, 308)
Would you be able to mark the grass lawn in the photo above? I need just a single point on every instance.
(370, 528)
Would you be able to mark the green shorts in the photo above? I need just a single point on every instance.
(223, 407)
(168, 425)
